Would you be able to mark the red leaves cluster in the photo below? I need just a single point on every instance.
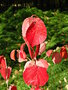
(4, 70)
(35, 73)
(34, 33)
(56, 56)
(36, 76)
(20, 54)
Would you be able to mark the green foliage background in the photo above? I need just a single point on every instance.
(11, 38)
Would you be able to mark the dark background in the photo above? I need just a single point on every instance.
(41, 4)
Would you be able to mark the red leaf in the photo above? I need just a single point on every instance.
(2, 62)
(36, 76)
(27, 22)
(37, 50)
(42, 63)
(49, 52)
(56, 58)
(17, 53)
(22, 56)
(9, 69)
(30, 27)
(5, 72)
(30, 51)
(12, 87)
(37, 88)
(63, 52)
(12, 55)
(42, 48)
(37, 32)
(29, 64)
(22, 47)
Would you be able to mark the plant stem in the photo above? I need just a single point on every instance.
(28, 58)
(45, 57)
(7, 84)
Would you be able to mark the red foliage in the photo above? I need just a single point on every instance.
(12, 55)
(37, 89)
(2, 62)
(22, 47)
(49, 52)
(63, 52)
(5, 72)
(34, 32)
(56, 58)
(12, 87)
(42, 48)
(22, 56)
(37, 50)
(35, 75)
(41, 63)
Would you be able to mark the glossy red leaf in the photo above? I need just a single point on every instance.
(37, 32)
(56, 58)
(2, 62)
(29, 47)
(37, 88)
(36, 76)
(17, 53)
(63, 52)
(12, 87)
(42, 48)
(49, 52)
(30, 27)
(37, 50)
(29, 64)
(22, 56)
(42, 63)
(22, 47)
(12, 55)
(26, 24)
(5, 72)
